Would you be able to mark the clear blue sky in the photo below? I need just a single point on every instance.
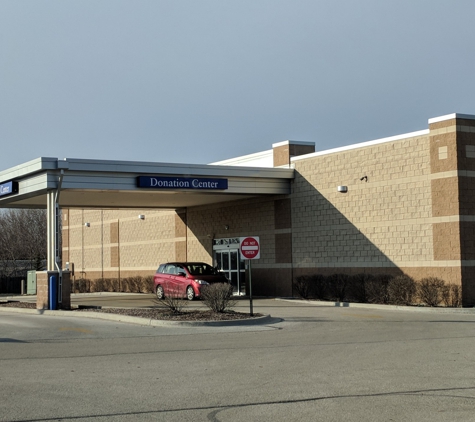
(203, 80)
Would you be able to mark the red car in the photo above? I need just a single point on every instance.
(185, 279)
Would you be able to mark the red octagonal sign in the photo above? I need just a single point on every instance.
(249, 247)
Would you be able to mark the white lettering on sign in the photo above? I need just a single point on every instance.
(177, 183)
(249, 247)
(199, 184)
(169, 183)
(5, 189)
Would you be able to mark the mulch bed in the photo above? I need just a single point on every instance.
(152, 313)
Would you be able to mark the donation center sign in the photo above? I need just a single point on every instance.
(176, 183)
(8, 188)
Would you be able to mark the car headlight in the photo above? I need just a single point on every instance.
(201, 282)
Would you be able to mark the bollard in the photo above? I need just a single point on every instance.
(52, 293)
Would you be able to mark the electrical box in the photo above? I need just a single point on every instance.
(31, 283)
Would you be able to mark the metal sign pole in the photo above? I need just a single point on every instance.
(250, 288)
(250, 249)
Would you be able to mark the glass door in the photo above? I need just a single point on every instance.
(229, 262)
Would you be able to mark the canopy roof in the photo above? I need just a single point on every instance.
(106, 184)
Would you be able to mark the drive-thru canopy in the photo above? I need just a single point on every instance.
(53, 183)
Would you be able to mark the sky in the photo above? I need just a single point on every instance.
(198, 81)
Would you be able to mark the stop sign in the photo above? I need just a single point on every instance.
(249, 247)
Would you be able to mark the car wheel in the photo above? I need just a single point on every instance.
(159, 292)
(190, 293)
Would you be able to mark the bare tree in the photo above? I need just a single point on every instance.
(22, 240)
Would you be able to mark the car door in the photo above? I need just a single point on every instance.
(167, 278)
(180, 281)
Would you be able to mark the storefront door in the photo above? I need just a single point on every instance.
(227, 259)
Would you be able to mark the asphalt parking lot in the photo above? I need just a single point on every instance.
(327, 362)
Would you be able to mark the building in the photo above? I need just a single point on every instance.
(398, 205)
(402, 204)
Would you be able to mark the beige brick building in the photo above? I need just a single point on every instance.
(396, 205)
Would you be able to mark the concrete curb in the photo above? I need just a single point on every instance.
(143, 321)
(381, 307)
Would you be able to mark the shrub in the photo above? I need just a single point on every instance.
(401, 290)
(81, 285)
(430, 290)
(173, 302)
(303, 286)
(356, 289)
(133, 284)
(337, 285)
(319, 286)
(147, 285)
(218, 297)
(376, 288)
(111, 284)
(452, 295)
(97, 285)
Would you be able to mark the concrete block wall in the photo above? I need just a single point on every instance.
(249, 217)
(116, 243)
(384, 218)
(453, 167)
(254, 217)
(408, 208)
(130, 246)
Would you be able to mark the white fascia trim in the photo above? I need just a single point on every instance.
(362, 145)
(451, 116)
(279, 144)
(243, 158)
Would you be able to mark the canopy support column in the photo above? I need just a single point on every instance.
(53, 227)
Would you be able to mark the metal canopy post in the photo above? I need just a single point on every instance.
(53, 234)
(51, 228)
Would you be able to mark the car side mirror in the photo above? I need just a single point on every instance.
(181, 273)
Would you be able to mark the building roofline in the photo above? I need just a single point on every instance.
(243, 158)
(361, 145)
(289, 142)
(452, 116)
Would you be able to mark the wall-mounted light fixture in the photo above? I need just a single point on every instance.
(226, 227)
(141, 216)
(342, 189)
(365, 178)
(87, 224)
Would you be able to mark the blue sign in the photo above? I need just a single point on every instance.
(8, 188)
(177, 183)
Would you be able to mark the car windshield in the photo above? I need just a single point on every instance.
(201, 269)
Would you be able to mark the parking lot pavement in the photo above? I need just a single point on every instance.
(325, 362)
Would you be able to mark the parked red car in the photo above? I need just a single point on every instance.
(185, 279)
